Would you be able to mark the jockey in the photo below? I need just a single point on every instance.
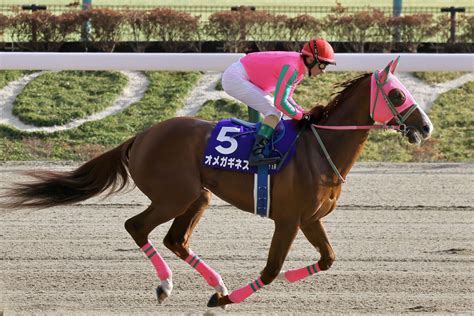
(256, 75)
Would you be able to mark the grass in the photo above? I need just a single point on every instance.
(219, 86)
(453, 120)
(10, 75)
(435, 77)
(166, 93)
(451, 116)
(384, 3)
(57, 98)
(215, 110)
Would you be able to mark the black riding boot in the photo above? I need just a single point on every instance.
(257, 158)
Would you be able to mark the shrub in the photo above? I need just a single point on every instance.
(302, 28)
(267, 28)
(172, 26)
(466, 28)
(141, 30)
(232, 27)
(106, 27)
(444, 25)
(415, 29)
(4, 22)
(356, 29)
(44, 30)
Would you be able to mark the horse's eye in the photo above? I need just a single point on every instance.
(397, 97)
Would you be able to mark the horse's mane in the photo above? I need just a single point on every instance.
(320, 112)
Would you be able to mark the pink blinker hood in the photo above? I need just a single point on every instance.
(379, 109)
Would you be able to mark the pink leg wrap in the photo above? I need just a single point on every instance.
(298, 274)
(162, 269)
(241, 294)
(212, 277)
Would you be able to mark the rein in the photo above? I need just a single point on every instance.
(347, 127)
(401, 127)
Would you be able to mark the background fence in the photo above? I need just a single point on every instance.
(236, 29)
(206, 11)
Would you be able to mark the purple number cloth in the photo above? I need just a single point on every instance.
(230, 143)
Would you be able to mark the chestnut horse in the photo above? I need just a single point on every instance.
(165, 162)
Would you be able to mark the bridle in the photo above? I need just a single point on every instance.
(400, 119)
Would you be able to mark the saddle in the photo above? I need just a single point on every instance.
(231, 141)
(229, 147)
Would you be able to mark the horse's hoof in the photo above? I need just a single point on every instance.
(161, 294)
(163, 291)
(219, 300)
(221, 289)
(214, 301)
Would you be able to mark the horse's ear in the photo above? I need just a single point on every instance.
(383, 74)
(394, 65)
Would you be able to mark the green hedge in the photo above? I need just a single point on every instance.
(45, 31)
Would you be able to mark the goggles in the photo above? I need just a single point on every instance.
(322, 66)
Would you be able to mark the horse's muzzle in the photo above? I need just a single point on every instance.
(414, 136)
(426, 131)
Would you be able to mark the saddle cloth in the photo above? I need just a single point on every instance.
(231, 141)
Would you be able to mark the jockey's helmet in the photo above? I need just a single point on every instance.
(320, 50)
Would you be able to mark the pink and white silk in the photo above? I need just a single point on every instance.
(237, 84)
(381, 113)
(278, 72)
(264, 68)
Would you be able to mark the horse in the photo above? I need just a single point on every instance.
(165, 163)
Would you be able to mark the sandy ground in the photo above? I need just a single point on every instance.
(403, 235)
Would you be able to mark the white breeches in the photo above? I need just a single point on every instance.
(236, 83)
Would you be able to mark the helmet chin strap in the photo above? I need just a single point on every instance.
(309, 65)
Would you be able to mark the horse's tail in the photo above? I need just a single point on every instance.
(51, 188)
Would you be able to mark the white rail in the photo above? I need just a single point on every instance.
(218, 62)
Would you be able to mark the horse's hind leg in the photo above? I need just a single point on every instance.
(139, 227)
(177, 240)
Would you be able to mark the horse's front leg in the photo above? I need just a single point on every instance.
(179, 235)
(316, 235)
(283, 237)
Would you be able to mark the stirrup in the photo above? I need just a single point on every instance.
(257, 158)
(260, 160)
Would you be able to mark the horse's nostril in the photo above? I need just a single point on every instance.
(426, 129)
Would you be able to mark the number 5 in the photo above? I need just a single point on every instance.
(223, 138)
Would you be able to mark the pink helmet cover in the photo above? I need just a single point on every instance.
(388, 81)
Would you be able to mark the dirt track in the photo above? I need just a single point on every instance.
(403, 235)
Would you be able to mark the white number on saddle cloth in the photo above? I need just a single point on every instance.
(222, 137)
